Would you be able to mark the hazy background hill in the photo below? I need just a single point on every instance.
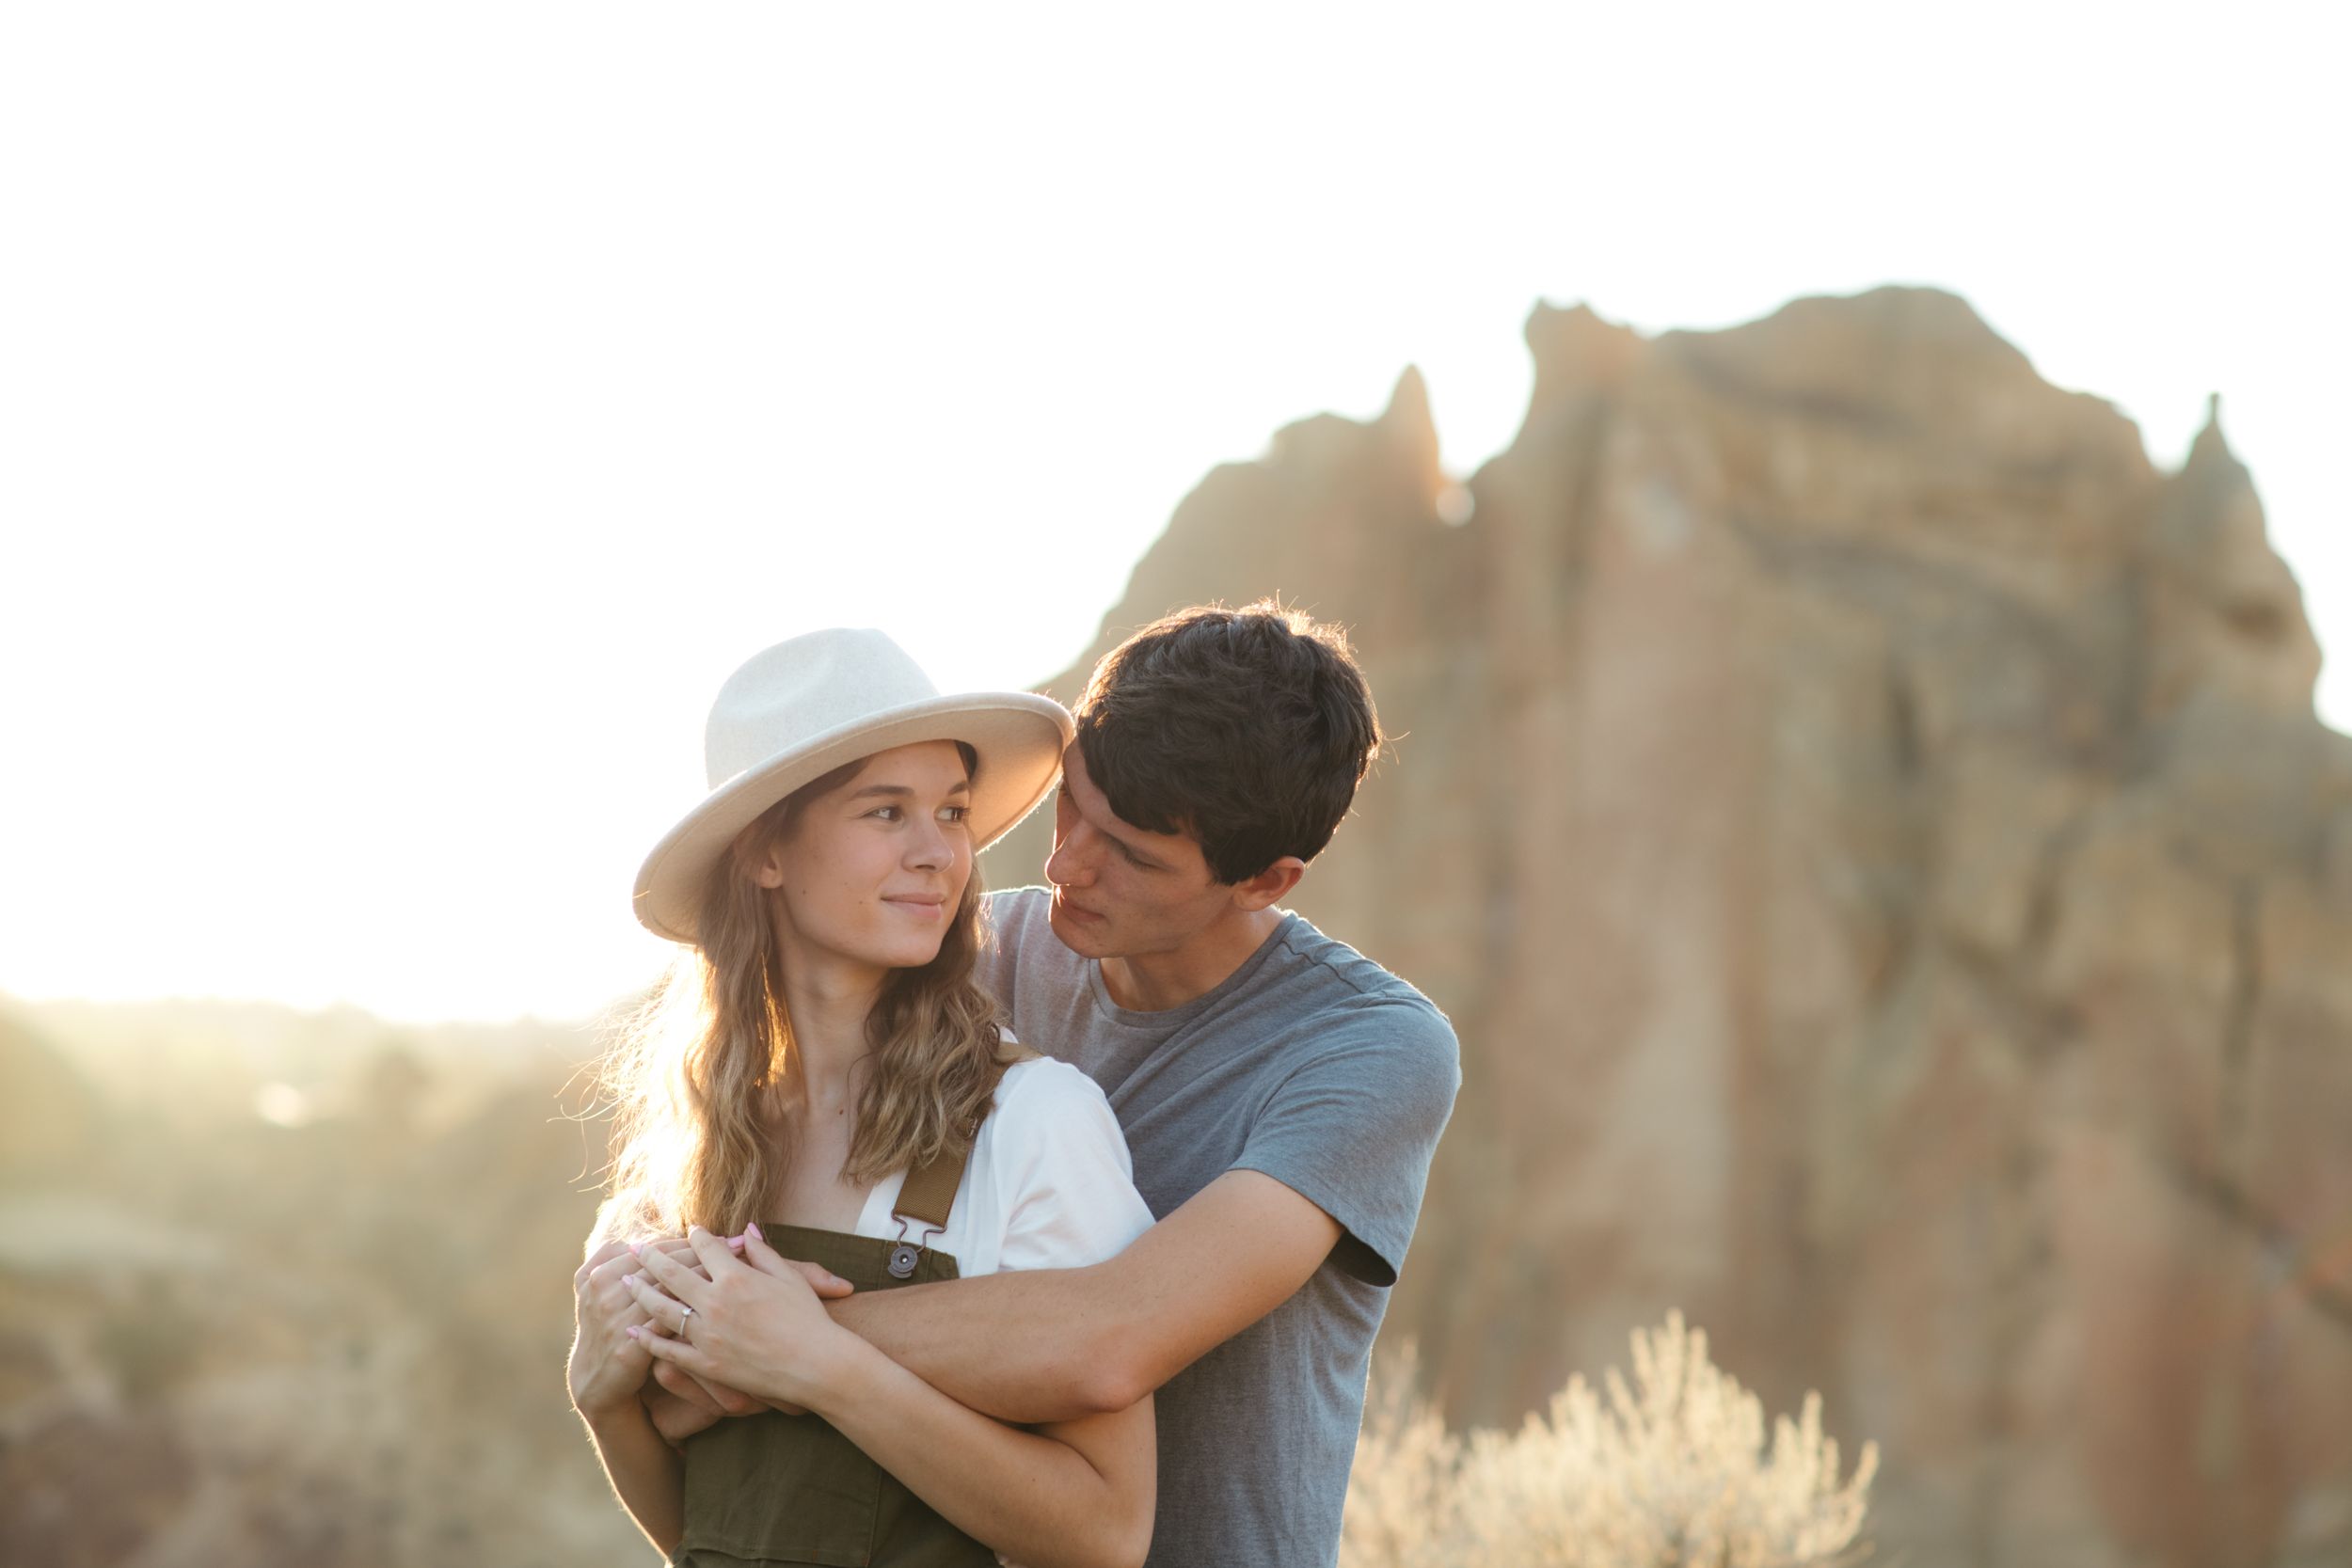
(285, 1287)
(1869, 829)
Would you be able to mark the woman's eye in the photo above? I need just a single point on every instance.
(955, 813)
(887, 813)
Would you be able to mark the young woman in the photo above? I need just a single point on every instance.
(820, 1078)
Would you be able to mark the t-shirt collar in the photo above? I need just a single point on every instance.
(1167, 1020)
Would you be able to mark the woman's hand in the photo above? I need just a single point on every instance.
(755, 1323)
(608, 1361)
(681, 1406)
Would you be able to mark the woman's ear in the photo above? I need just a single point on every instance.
(760, 855)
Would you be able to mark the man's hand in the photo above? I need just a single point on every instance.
(679, 1413)
(682, 1405)
(607, 1360)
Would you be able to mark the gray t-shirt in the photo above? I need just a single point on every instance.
(1312, 1064)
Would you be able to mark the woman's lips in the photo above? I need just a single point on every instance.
(922, 908)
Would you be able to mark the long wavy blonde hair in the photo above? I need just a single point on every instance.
(693, 1073)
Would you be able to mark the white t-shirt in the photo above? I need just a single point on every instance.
(1049, 1184)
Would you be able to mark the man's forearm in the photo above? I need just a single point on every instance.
(1055, 1344)
(1024, 1347)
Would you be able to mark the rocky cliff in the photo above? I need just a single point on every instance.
(1871, 832)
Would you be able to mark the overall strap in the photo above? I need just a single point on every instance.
(929, 1191)
(926, 1199)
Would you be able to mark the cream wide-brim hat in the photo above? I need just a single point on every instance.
(805, 708)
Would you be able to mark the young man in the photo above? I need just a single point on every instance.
(1281, 1094)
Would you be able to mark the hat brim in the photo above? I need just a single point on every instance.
(1018, 736)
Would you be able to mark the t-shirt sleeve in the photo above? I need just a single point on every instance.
(1067, 1182)
(1353, 1129)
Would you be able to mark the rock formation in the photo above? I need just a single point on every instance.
(1869, 829)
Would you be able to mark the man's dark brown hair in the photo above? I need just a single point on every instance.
(1247, 728)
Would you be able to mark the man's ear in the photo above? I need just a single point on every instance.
(1252, 893)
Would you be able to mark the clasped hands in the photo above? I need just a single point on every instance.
(757, 1337)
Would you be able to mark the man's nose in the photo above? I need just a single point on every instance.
(1065, 866)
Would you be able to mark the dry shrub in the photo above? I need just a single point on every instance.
(1672, 1470)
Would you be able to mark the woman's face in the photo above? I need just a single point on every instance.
(872, 870)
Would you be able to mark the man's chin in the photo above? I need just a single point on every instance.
(1082, 937)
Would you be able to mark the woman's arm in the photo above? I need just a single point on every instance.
(607, 1370)
(1075, 1495)
(645, 1472)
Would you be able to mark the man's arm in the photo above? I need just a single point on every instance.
(1056, 1344)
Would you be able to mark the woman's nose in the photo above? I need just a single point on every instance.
(936, 850)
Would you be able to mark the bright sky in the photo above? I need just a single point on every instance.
(409, 414)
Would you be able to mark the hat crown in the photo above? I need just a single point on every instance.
(804, 687)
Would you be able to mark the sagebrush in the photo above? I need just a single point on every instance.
(1675, 1469)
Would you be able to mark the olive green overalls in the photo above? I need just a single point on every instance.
(790, 1489)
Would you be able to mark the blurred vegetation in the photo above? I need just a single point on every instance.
(281, 1288)
(1672, 1469)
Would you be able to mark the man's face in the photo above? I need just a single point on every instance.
(1121, 891)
